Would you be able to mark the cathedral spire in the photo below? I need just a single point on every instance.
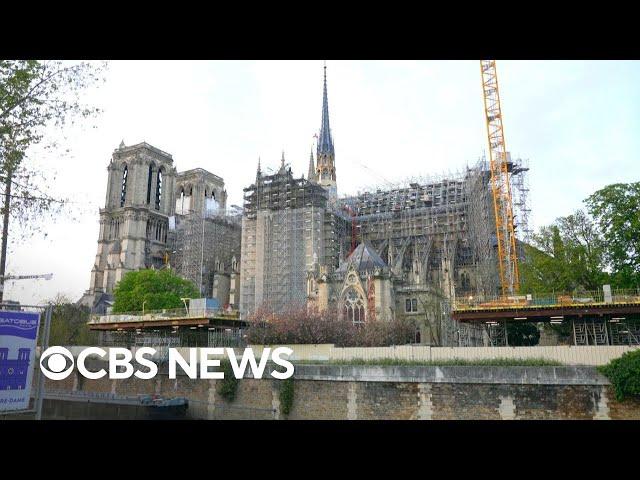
(282, 167)
(325, 155)
(312, 168)
(325, 143)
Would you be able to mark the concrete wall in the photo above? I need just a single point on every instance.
(568, 355)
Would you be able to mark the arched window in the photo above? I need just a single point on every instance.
(159, 189)
(123, 190)
(149, 183)
(353, 306)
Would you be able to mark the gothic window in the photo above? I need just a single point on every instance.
(149, 181)
(123, 190)
(353, 306)
(159, 189)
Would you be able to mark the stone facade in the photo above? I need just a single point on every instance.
(135, 221)
(150, 210)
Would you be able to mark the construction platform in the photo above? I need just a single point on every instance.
(167, 319)
(548, 307)
(595, 318)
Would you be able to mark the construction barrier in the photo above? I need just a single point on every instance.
(565, 354)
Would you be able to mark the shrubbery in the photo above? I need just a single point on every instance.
(312, 326)
(286, 395)
(227, 386)
(624, 374)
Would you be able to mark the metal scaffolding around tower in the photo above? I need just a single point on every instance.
(203, 244)
(287, 229)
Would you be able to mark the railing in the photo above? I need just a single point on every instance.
(497, 302)
(166, 314)
(162, 341)
(107, 397)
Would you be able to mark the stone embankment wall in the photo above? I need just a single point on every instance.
(344, 392)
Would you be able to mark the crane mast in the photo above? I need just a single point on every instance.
(500, 182)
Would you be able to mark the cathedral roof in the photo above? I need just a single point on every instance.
(363, 258)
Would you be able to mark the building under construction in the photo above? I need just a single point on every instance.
(287, 227)
(423, 243)
(205, 239)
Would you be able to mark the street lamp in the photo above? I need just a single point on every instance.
(143, 307)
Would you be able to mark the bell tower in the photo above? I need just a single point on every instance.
(135, 221)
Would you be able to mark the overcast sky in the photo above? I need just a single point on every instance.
(576, 122)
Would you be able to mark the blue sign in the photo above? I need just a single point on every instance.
(18, 339)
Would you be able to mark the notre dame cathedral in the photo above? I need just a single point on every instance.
(156, 217)
(403, 251)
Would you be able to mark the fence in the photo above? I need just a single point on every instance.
(568, 355)
(232, 337)
(564, 354)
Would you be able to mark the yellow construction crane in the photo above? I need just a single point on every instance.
(500, 182)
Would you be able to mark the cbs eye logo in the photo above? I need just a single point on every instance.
(56, 363)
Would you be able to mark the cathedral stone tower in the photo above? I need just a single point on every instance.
(326, 156)
(135, 221)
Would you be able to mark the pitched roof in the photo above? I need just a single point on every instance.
(363, 258)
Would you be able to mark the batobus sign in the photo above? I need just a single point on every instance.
(57, 363)
(18, 337)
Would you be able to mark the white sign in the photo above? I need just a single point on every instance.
(18, 338)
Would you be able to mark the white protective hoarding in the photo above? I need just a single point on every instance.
(18, 339)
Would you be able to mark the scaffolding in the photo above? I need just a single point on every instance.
(204, 245)
(287, 231)
(520, 190)
(602, 331)
(437, 234)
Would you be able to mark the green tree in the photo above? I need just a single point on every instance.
(69, 323)
(156, 289)
(616, 209)
(34, 95)
(565, 256)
